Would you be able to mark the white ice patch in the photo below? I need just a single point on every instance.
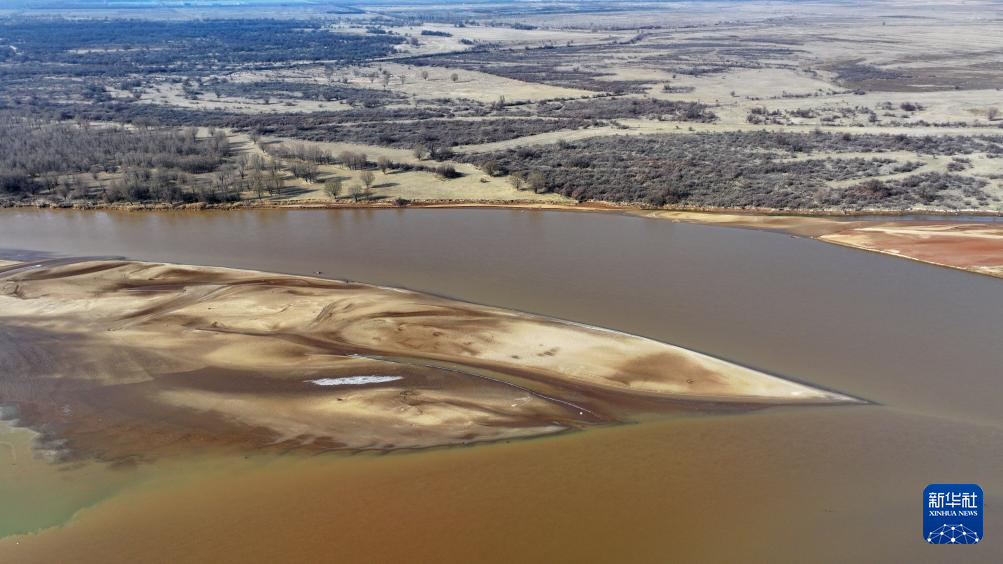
(354, 380)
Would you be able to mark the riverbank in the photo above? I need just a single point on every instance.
(293, 204)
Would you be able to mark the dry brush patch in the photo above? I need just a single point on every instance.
(748, 169)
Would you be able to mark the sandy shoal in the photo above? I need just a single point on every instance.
(120, 357)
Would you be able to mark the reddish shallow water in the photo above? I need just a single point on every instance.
(821, 484)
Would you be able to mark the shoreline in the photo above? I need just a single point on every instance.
(488, 204)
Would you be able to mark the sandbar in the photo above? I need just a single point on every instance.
(120, 359)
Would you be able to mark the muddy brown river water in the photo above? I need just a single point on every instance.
(923, 343)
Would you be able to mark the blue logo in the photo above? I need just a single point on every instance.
(952, 514)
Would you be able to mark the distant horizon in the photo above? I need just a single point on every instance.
(201, 4)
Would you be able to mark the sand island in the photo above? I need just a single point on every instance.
(117, 357)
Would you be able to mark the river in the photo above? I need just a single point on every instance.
(922, 343)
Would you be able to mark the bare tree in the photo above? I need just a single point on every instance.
(383, 164)
(223, 179)
(490, 167)
(355, 190)
(80, 190)
(63, 188)
(311, 169)
(352, 160)
(242, 163)
(537, 181)
(333, 187)
(517, 179)
(306, 169)
(424, 75)
(992, 113)
(275, 182)
(367, 177)
(255, 161)
(257, 180)
(454, 77)
(420, 151)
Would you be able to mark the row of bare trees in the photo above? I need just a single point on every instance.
(334, 186)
